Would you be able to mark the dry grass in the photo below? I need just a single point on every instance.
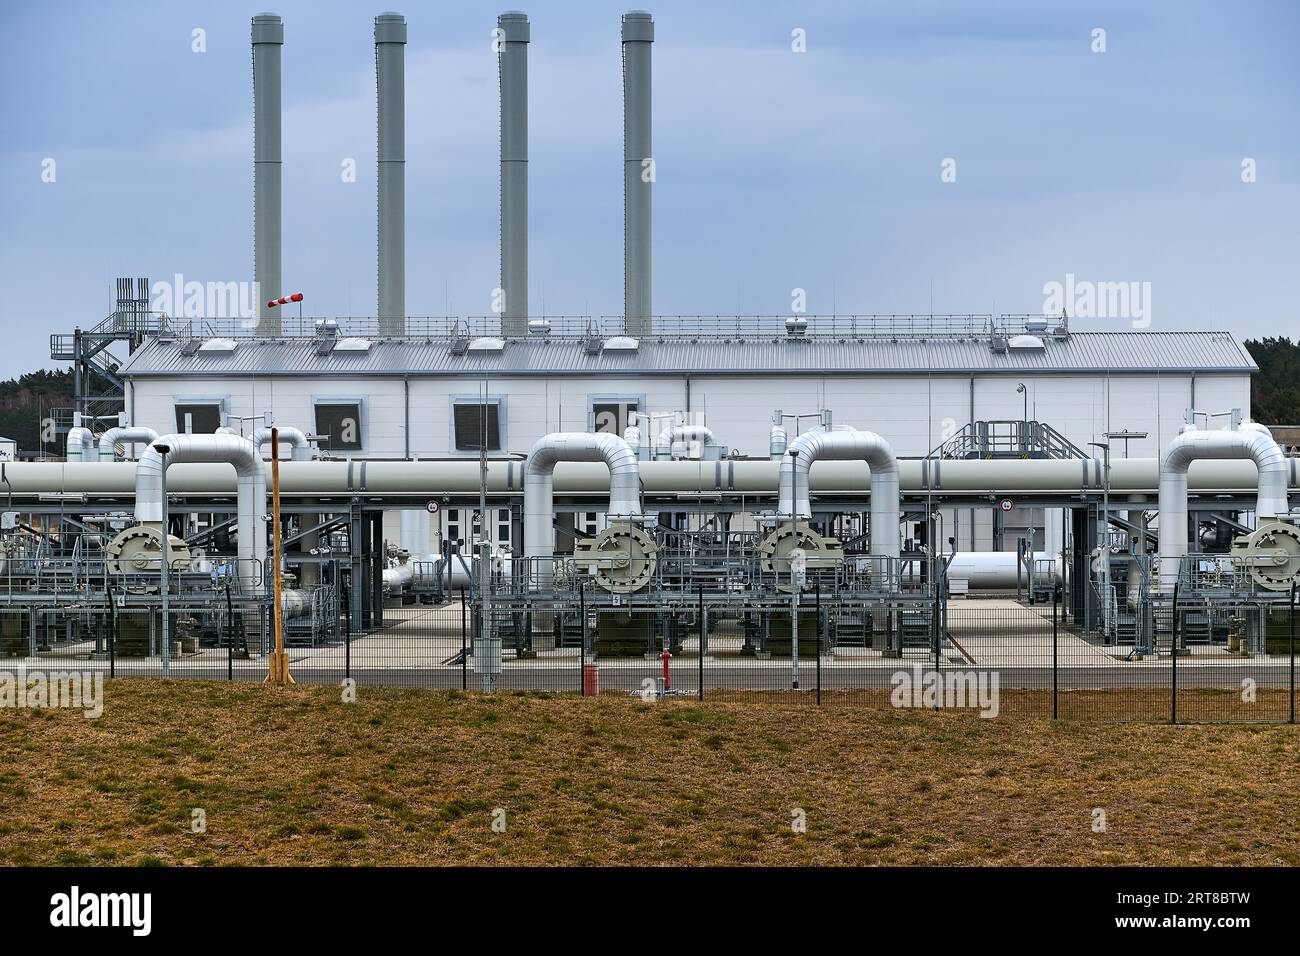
(294, 776)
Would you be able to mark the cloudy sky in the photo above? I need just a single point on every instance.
(776, 170)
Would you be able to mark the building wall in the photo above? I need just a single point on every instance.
(916, 413)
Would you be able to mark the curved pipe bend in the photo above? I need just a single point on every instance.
(251, 487)
(80, 441)
(853, 445)
(539, 482)
(675, 433)
(287, 436)
(1251, 441)
(127, 434)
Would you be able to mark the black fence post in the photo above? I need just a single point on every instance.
(464, 646)
(1291, 712)
(818, 591)
(112, 635)
(1056, 606)
(582, 638)
(1173, 656)
(230, 636)
(699, 692)
(934, 629)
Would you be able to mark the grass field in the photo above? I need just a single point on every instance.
(295, 776)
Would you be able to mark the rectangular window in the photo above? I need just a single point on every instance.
(199, 418)
(339, 426)
(477, 425)
(612, 415)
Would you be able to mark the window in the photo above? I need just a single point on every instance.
(612, 416)
(477, 425)
(199, 418)
(613, 413)
(339, 425)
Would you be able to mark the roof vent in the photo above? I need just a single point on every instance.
(796, 325)
(352, 344)
(487, 343)
(539, 326)
(621, 343)
(220, 346)
(1036, 326)
(1025, 343)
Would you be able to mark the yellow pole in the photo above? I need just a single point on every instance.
(278, 670)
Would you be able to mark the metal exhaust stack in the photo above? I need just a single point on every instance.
(638, 171)
(513, 74)
(268, 38)
(390, 94)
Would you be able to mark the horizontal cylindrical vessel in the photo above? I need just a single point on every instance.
(999, 569)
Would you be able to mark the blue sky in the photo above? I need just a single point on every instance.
(775, 170)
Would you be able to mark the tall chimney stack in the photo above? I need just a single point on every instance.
(638, 171)
(390, 91)
(268, 38)
(513, 63)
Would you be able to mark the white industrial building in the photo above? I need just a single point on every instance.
(422, 396)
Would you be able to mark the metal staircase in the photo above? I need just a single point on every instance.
(1008, 439)
(94, 366)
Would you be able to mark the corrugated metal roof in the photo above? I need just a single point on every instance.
(1122, 351)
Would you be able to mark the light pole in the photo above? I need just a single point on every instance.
(1024, 420)
(165, 567)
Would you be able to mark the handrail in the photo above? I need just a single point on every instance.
(914, 327)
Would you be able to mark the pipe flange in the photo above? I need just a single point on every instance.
(138, 550)
(621, 558)
(1271, 553)
(820, 552)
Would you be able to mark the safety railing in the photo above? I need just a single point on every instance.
(717, 326)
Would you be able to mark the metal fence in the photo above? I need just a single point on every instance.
(1233, 664)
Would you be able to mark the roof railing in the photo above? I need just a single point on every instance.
(715, 327)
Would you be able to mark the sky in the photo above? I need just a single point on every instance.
(943, 157)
